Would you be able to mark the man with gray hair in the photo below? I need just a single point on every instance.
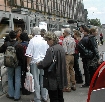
(35, 53)
(69, 47)
(59, 35)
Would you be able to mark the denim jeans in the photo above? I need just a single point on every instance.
(38, 82)
(14, 92)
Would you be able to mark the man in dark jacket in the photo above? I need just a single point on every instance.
(85, 60)
(56, 80)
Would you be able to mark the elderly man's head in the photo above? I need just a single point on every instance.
(36, 31)
(58, 33)
(67, 32)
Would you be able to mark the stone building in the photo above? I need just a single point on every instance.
(50, 11)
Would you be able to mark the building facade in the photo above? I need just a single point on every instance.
(50, 11)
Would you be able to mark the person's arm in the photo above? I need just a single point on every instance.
(46, 61)
(94, 47)
(28, 61)
(29, 53)
(3, 48)
(64, 44)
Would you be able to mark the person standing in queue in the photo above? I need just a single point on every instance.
(78, 74)
(69, 47)
(35, 52)
(55, 82)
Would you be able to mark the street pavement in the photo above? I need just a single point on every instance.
(80, 95)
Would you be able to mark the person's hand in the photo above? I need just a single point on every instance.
(99, 62)
(37, 63)
(28, 68)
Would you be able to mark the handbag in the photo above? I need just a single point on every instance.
(53, 64)
(29, 82)
(93, 62)
(87, 53)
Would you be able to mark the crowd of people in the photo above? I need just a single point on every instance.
(37, 52)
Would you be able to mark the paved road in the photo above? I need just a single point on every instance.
(80, 95)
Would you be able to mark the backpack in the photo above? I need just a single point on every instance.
(10, 57)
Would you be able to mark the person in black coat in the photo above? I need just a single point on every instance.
(94, 62)
(85, 60)
(56, 80)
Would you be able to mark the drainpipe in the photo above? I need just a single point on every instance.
(11, 23)
(28, 24)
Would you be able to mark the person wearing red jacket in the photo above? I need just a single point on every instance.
(101, 38)
(61, 39)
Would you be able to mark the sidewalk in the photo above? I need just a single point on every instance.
(80, 95)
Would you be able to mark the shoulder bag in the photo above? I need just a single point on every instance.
(52, 67)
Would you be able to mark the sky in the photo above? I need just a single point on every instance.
(96, 9)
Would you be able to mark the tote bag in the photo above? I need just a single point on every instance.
(29, 82)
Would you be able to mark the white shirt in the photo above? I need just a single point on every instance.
(69, 45)
(37, 48)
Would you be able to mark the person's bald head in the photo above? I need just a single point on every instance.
(67, 32)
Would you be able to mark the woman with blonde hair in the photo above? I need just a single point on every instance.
(94, 62)
(93, 31)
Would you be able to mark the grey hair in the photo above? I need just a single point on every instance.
(51, 36)
(36, 30)
(67, 30)
(58, 33)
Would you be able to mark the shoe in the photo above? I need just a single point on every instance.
(67, 90)
(84, 86)
(17, 99)
(43, 100)
(32, 101)
(9, 97)
(25, 92)
(73, 88)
